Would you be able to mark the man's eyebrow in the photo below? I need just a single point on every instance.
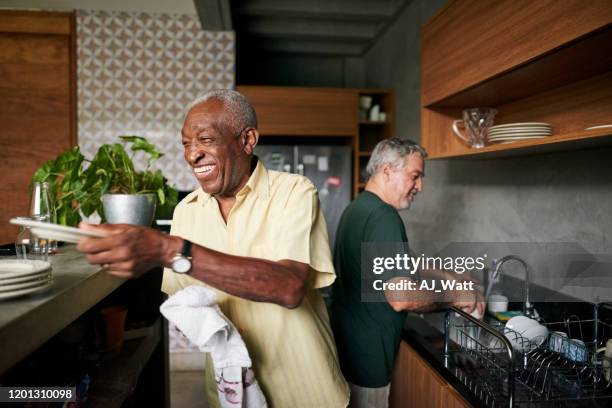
(196, 129)
(199, 128)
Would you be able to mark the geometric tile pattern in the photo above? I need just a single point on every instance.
(137, 72)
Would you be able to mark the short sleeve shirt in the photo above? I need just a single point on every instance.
(367, 333)
(276, 216)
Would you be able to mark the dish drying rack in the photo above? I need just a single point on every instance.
(504, 369)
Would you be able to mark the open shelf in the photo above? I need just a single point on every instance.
(370, 132)
(118, 375)
(567, 141)
(373, 122)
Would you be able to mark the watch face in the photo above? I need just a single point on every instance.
(181, 265)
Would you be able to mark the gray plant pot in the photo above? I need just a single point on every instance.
(136, 209)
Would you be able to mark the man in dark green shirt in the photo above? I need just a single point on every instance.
(368, 334)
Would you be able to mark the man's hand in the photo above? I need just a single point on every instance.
(471, 302)
(128, 251)
(475, 306)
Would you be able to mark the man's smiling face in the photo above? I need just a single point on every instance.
(213, 149)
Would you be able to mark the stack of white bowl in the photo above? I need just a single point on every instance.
(525, 334)
(20, 277)
(514, 132)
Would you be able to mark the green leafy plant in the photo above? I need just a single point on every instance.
(74, 187)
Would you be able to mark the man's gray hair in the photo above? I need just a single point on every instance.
(392, 151)
(236, 104)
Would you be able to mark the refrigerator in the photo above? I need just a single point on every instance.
(328, 167)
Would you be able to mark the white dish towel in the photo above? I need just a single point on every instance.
(195, 312)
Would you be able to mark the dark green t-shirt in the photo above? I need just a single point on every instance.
(367, 334)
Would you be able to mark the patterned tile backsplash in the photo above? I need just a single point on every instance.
(137, 72)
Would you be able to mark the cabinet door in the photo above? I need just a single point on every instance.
(415, 384)
(454, 400)
(37, 85)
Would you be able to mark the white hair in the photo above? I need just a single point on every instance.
(237, 106)
(393, 151)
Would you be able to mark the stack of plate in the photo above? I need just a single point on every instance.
(513, 132)
(21, 276)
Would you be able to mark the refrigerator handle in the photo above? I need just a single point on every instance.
(299, 169)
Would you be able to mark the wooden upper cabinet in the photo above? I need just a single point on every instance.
(534, 61)
(284, 111)
(470, 41)
(38, 109)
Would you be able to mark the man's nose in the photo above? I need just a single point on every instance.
(193, 152)
(419, 185)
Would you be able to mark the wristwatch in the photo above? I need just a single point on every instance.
(181, 263)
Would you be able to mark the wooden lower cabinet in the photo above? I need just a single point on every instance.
(415, 384)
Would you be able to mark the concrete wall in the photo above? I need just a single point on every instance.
(541, 198)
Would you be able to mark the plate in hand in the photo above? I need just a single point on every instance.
(55, 231)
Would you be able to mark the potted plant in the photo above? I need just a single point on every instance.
(110, 185)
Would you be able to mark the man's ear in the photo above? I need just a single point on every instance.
(249, 140)
(386, 171)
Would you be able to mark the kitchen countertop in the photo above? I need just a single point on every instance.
(29, 321)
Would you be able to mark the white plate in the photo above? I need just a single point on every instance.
(24, 285)
(532, 133)
(599, 127)
(496, 132)
(501, 132)
(510, 138)
(502, 138)
(34, 277)
(13, 268)
(513, 129)
(521, 124)
(513, 141)
(55, 231)
(497, 137)
(496, 129)
(17, 293)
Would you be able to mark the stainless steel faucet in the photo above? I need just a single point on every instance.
(528, 308)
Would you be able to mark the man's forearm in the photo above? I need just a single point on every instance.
(420, 306)
(421, 300)
(283, 282)
(410, 300)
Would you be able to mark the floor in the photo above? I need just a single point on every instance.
(187, 389)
